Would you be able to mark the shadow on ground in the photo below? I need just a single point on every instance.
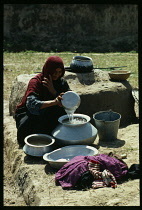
(33, 160)
(110, 144)
(48, 169)
(113, 144)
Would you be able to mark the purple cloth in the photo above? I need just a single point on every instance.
(115, 166)
(69, 174)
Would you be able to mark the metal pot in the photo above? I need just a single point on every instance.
(76, 133)
(81, 64)
(38, 144)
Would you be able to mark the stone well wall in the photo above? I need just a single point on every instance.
(97, 93)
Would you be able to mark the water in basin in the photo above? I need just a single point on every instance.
(75, 120)
(66, 158)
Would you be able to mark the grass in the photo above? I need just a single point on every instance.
(30, 62)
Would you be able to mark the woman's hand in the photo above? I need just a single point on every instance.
(58, 99)
(49, 85)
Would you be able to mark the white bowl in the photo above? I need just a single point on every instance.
(71, 100)
(38, 144)
(61, 156)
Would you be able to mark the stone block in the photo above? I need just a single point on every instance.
(18, 89)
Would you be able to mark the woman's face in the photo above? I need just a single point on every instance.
(57, 74)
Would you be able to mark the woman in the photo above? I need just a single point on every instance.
(41, 105)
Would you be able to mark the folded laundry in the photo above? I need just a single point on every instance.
(70, 173)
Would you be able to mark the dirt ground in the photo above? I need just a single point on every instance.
(126, 194)
(12, 194)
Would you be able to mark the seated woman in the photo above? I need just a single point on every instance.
(41, 105)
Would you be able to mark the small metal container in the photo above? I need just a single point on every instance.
(38, 144)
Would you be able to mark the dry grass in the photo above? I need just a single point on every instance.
(30, 62)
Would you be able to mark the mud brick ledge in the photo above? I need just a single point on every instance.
(97, 92)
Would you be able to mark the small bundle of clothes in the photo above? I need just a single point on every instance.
(84, 172)
(101, 179)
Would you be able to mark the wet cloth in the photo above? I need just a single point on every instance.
(70, 173)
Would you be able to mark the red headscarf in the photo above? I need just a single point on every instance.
(35, 84)
(52, 63)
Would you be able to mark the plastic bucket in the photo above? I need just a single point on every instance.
(107, 124)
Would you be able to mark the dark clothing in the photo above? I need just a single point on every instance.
(36, 87)
(134, 171)
(85, 180)
(29, 117)
(34, 104)
(28, 123)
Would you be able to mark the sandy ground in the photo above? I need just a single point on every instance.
(12, 194)
(126, 194)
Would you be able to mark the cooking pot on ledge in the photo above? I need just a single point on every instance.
(81, 64)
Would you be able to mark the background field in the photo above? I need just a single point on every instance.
(30, 62)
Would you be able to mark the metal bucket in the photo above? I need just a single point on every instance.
(107, 124)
